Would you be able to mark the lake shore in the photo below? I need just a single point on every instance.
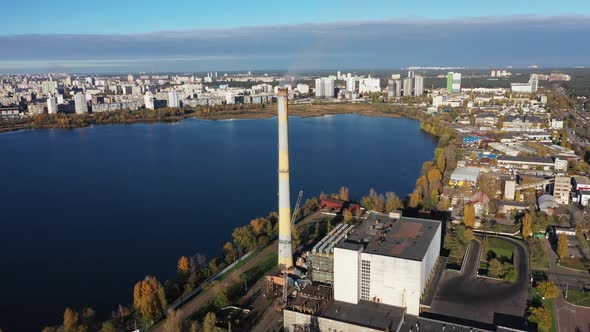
(307, 110)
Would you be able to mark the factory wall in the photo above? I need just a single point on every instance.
(346, 275)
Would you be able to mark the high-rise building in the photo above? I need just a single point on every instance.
(173, 100)
(149, 100)
(49, 88)
(51, 105)
(394, 88)
(534, 82)
(324, 87)
(130, 78)
(351, 84)
(453, 82)
(493, 73)
(408, 85)
(369, 85)
(80, 103)
(410, 73)
(418, 85)
(561, 189)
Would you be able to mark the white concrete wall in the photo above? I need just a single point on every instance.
(430, 259)
(395, 281)
(291, 319)
(346, 275)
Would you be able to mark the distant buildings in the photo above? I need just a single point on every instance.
(51, 106)
(408, 86)
(453, 82)
(173, 100)
(80, 103)
(418, 85)
(369, 85)
(394, 88)
(324, 87)
(149, 100)
(351, 84)
(530, 87)
(561, 189)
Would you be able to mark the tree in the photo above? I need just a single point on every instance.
(173, 322)
(108, 326)
(184, 266)
(244, 238)
(347, 216)
(296, 237)
(562, 246)
(495, 268)
(229, 252)
(434, 178)
(221, 299)
(548, 289)
(527, 225)
(209, 322)
(344, 194)
(195, 326)
(392, 202)
(149, 299)
(71, 319)
(469, 215)
(414, 200)
(541, 316)
(564, 138)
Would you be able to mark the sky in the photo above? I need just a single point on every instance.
(192, 35)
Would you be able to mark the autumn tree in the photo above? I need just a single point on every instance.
(149, 299)
(347, 216)
(296, 237)
(71, 320)
(184, 268)
(392, 202)
(469, 215)
(173, 322)
(548, 289)
(344, 194)
(209, 322)
(108, 326)
(261, 226)
(244, 238)
(527, 225)
(229, 252)
(414, 200)
(434, 179)
(562, 246)
(541, 316)
(495, 268)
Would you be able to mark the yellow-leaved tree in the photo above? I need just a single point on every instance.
(149, 299)
(562, 246)
(527, 225)
(469, 215)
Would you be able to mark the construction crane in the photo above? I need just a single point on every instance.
(285, 273)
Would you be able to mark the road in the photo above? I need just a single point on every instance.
(481, 301)
(569, 317)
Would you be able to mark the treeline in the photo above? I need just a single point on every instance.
(438, 170)
(63, 120)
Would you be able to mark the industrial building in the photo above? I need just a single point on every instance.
(530, 163)
(322, 254)
(388, 259)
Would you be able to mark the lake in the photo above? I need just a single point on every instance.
(85, 213)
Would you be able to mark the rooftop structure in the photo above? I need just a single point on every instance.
(322, 254)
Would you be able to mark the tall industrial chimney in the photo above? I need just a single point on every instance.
(285, 249)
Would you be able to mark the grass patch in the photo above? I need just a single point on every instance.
(578, 297)
(240, 264)
(259, 270)
(538, 255)
(497, 227)
(574, 263)
(502, 249)
(549, 305)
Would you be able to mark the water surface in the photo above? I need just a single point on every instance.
(87, 212)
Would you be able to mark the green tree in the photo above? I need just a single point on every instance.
(564, 137)
(221, 299)
(548, 289)
(562, 246)
(495, 268)
(108, 326)
(295, 237)
(209, 322)
(527, 225)
(469, 215)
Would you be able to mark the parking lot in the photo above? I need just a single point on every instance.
(484, 302)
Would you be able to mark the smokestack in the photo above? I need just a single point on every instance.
(285, 249)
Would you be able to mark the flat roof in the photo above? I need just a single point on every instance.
(526, 159)
(366, 313)
(407, 238)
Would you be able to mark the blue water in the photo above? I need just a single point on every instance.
(85, 213)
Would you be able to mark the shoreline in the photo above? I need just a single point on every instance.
(303, 111)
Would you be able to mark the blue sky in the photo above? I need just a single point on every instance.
(136, 16)
(192, 35)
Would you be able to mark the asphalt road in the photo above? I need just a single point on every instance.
(482, 300)
(569, 317)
